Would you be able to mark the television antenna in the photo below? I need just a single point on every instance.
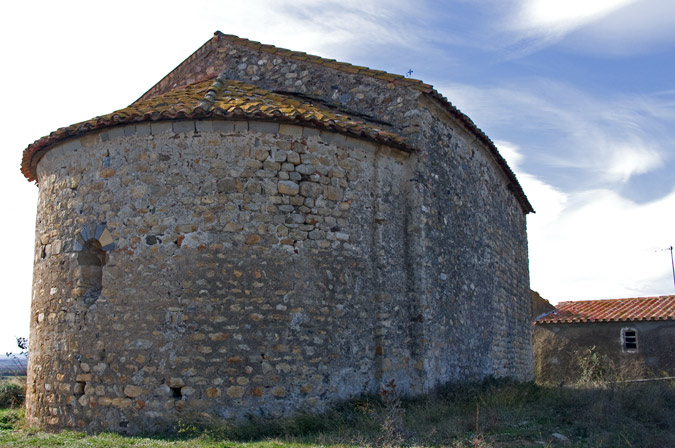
(672, 263)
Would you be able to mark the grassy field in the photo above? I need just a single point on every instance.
(490, 414)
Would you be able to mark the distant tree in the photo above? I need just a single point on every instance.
(19, 358)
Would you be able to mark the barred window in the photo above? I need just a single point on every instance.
(629, 339)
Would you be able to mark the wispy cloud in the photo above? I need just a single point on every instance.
(554, 19)
(329, 28)
(643, 26)
(611, 27)
(594, 244)
(626, 160)
(611, 140)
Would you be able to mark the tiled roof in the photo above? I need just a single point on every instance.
(29, 160)
(613, 310)
(219, 98)
(398, 80)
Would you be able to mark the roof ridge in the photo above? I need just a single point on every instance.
(210, 95)
(339, 65)
(619, 299)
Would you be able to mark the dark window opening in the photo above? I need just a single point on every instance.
(92, 254)
(176, 392)
(79, 388)
(91, 260)
(629, 338)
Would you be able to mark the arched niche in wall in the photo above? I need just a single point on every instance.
(92, 246)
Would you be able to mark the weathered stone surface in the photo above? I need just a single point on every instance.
(175, 382)
(288, 265)
(132, 391)
(288, 187)
(235, 391)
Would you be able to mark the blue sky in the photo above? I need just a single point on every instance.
(579, 97)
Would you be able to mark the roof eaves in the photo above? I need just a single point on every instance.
(195, 107)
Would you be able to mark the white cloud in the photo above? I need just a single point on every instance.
(643, 26)
(547, 201)
(510, 152)
(607, 27)
(610, 140)
(328, 28)
(560, 17)
(594, 244)
(601, 245)
(625, 160)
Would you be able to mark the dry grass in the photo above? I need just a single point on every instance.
(489, 414)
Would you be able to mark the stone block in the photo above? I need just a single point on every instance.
(235, 391)
(310, 189)
(263, 126)
(175, 382)
(204, 125)
(129, 130)
(241, 126)
(228, 126)
(289, 129)
(279, 391)
(132, 391)
(187, 126)
(116, 132)
(213, 392)
(143, 129)
(288, 187)
(160, 127)
(310, 132)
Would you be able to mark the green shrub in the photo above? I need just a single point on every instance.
(11, 394)
(595, 367)
(11, 418)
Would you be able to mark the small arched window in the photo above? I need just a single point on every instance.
(92, 254)
(91, 260)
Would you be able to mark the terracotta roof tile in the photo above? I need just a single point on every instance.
(221, 98)
(614, 310)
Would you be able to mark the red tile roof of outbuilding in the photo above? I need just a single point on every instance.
(612, 310)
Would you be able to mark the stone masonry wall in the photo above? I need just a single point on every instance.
(243, 270)
(236, 267)
(469, 261)
(474, 279)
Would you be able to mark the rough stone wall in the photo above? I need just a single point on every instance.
(265, 268)
(245, 270)
(474, 286)
(475, 289)
(557, 348)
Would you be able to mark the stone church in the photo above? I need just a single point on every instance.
(264, 232)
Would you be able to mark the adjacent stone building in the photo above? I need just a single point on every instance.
(266, 231)
(636, 337)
